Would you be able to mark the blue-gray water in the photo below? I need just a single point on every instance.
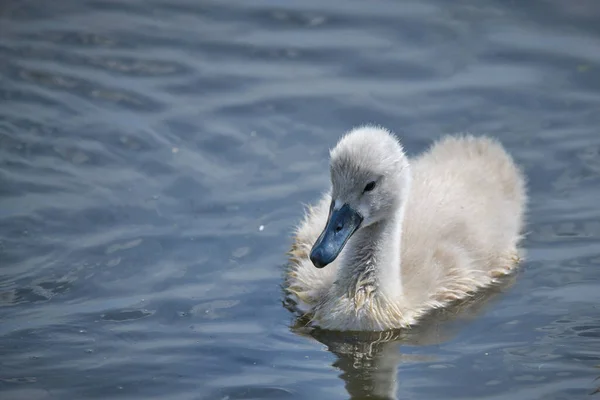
(155, 155)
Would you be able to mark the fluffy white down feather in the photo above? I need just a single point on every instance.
(438, 228)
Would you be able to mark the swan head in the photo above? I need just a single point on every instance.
(369, 178)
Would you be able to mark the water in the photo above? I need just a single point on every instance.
(154, 159)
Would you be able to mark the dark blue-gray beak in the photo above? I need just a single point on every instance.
(341, 225)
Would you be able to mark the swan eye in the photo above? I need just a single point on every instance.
(370, 186)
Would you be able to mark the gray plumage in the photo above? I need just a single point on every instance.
(435, 229)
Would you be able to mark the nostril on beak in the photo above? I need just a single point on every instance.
(338, 228)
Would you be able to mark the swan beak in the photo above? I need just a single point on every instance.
(341, 224)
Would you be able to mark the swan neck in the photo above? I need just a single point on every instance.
(387, 254)
(373, 258)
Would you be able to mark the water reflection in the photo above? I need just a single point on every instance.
(369, 361)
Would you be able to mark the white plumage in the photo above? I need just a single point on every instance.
(430, 230)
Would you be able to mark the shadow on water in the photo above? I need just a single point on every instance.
(369, 361)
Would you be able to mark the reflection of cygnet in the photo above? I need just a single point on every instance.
(395, 238)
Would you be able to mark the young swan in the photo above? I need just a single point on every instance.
(394, 239)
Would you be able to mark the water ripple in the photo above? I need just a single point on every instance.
(154, 156)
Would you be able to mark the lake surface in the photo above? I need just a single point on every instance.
(155, 155)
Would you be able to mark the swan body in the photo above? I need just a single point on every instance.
(394, 238)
